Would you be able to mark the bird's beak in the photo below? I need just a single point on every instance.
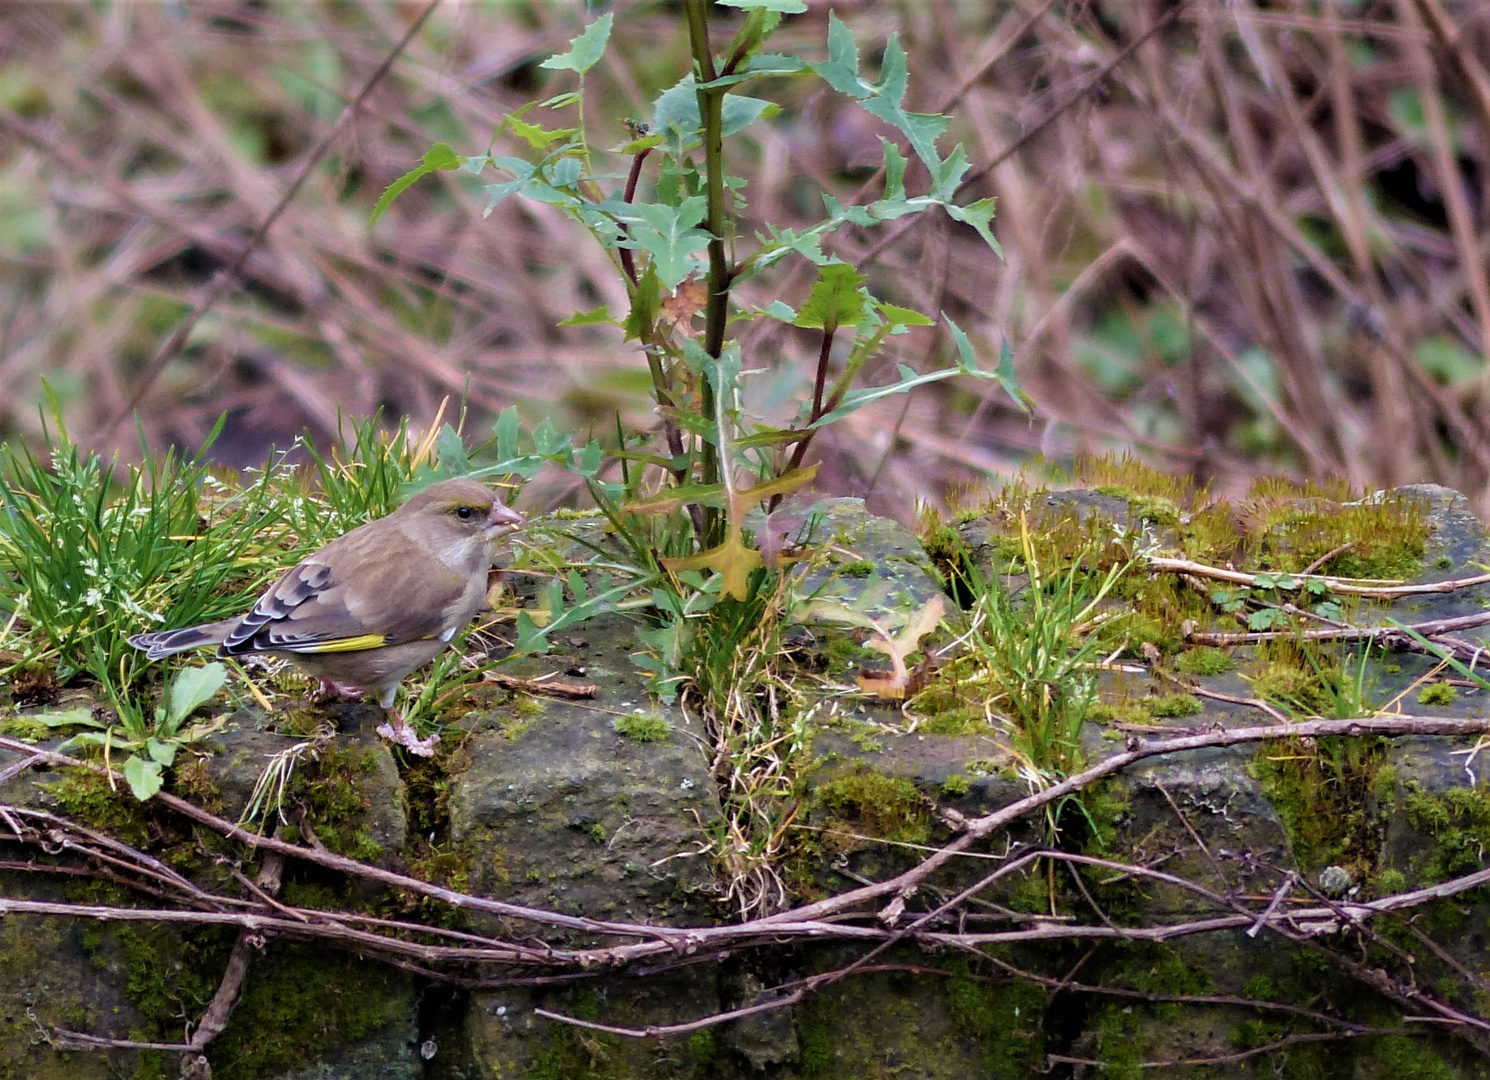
(503, 519)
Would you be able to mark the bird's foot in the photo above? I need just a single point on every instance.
(400, 732)
(326, 690)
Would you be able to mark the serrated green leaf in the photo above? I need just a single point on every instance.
(978, 215)
(547, 441)
(144, 777)
(522, 177)
(901, 316)
(967, 360)
(675, 114)
(948, 175)
(921, 129)
(636, 146)
(530, 638)
(781, 7)
(646, 302)
(909, 380)
(600, 316)
(586, 49)
(588, 462)
(438, 157)
(841, 69)
(773, 64)
(894, 172)
(193, 686)
(451, 453)
(780, 309)
(536, 135)
(670, 235)
(837, 298)
(739, 112)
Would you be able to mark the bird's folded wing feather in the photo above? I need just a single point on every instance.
(308, 610)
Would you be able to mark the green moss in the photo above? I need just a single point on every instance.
(170, 975)
(956, 786)
(703, 1048)
(1127, 477)
(1261, 987)
(1030, 892)
(1284, 682)
(1146, 628)
(297, 1003)
(869, 802)
(27, 729)
(1384, 787)
(1119, 1046)
(1439, 693)
(859, 568)
(527, 707)
(842, 653)
(1391, 882)
(641, 727)
(1175, 705)
(1324, 792)
(1131, 711)
(302, 723)
(1154, 510)
(957, 720)
(86, 797)
(1004, 1018)
(814, 1039)
(1204, 661)
(335, 793)
(1459, 823)
(1404, 1058)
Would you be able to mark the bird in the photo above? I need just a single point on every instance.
(374, 604)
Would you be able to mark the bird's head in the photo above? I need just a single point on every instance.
(459, 517)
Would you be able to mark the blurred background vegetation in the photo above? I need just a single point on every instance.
(1238, 238)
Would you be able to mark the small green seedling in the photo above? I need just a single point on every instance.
(152, 746)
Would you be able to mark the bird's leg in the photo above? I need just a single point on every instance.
(326, 690)
(399, 731)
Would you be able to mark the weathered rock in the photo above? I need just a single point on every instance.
(561, 810)
(53, 977)
(560, 804)
(507, 1041)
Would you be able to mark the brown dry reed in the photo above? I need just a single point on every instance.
(1252, 239)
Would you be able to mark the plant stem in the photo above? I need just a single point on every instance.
(800, 450)
(716, 313)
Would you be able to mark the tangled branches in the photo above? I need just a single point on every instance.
(879, 915)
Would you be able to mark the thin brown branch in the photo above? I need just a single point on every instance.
(542, 686)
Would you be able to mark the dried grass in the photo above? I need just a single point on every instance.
(1258, 244)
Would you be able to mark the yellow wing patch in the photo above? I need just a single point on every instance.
(346, 644)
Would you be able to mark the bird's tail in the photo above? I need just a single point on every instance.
(165, 643)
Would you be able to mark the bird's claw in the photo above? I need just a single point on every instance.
(405, 736)
(326, 690)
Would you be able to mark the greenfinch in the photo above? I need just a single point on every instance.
(375, 603)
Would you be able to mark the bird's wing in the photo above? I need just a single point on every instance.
(310, 611)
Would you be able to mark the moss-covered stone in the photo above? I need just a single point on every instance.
(524, 816)
(302, 1006)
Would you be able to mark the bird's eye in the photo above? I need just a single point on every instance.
(464, 512)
